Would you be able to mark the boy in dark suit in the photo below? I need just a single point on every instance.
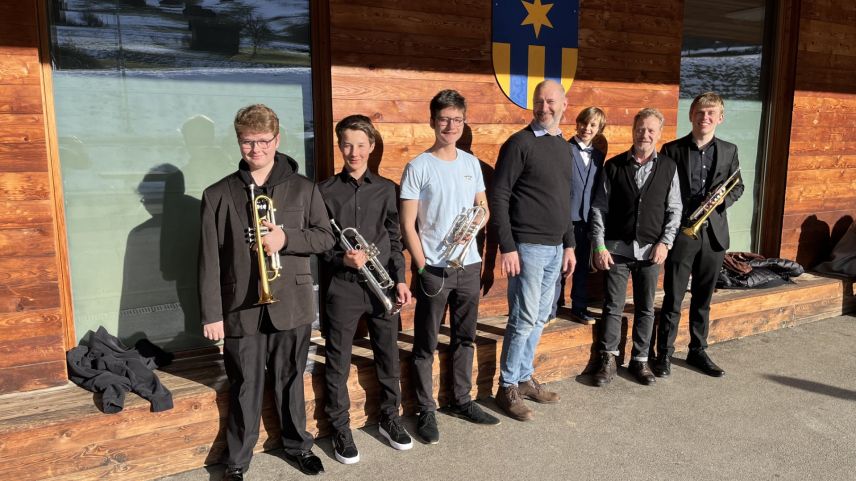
(361, 199)
(276, 335)
(704, 162)
(587, 162)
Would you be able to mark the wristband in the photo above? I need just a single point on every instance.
(420, 270)
(599, 249)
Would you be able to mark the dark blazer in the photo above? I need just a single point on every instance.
(228, 278)
(725, 164)
(587, 179)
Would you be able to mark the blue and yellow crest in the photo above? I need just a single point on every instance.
(534, 40)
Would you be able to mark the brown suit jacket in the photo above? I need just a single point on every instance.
(228, 269)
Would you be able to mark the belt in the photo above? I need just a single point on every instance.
(349, 276)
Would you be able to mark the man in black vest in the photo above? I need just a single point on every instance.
(635, 216)
(704, 162)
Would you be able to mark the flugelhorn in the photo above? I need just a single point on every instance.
(373, 271)
(270, 267)
(463, 232)
(711, 202)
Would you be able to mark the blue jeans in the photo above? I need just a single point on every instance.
(530, 296)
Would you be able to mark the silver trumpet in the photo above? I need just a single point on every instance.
(463, 232)
(713, 200)
(372, 271)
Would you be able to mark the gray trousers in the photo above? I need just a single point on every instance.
(644, 274)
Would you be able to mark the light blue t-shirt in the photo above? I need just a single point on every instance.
(443, 188)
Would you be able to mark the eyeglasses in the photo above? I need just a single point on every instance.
(450, 120)
(262, 144)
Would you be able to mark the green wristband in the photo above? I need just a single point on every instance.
(420, 270)
(599, 249)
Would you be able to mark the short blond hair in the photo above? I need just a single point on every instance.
(256, 118)
(648, 112)
(707, 99)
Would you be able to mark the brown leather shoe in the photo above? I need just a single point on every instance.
(509, 399)
(642, 372)
(535, 391)
(606, 371)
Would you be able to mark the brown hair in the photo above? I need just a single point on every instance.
(587, 114)
(356, 122)
(256, 118)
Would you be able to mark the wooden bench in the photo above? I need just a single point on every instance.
(59, 433)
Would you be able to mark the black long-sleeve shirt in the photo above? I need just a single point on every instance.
(531, 191)
(371, 207)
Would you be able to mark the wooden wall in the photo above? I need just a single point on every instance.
(389, 57)
(820, 197)
(32, 328)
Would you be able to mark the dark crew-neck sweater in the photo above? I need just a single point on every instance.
(531, 188)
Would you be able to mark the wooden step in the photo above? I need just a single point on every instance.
(59, 433)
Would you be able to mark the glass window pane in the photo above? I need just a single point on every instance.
(145, 94)
(722, 52)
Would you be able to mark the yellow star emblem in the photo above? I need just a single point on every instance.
(537, 15)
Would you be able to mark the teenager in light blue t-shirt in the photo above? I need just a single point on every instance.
(436, 186)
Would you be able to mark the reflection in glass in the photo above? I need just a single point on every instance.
(145, 93)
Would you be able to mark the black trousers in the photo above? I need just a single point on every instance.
(347, 301)
(460, 290)
(644, 284)
(699, 258)
(283, 355)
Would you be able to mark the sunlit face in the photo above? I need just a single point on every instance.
(705, 118)
(548, 105)
(258, 149)
(448, 125)
(356, 147)
(586, 131)
(646, 134)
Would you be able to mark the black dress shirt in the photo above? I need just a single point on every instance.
(370, 206)
(701, 172)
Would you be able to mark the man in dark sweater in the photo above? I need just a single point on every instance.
(532, 185)
(635, 216)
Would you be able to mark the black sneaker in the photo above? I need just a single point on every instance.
(344, 447)
(394, 432)
(472, 413)
(426, 427)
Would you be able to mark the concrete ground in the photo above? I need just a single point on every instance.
(786, 410)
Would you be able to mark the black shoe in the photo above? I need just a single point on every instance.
(394, 432)
(606, 370)
(583, 316)
(662, 367)
(642, 372)
(234, 474)
(307, 462)
(701, 361)
(472, 413)
(426, 427)
(344, 447)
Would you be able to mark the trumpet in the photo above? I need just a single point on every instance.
(270, 267)
(713, 200)
(463, 232)
(373, 272)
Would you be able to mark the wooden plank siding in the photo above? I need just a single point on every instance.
(32, 330)
(820, 197)
(390, 57)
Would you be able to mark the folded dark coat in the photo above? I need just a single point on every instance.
(104, 365)
(750, 270)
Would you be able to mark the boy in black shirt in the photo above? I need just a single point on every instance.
(358, 198)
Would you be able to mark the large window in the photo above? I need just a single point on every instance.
(723, 49)
(145, 92)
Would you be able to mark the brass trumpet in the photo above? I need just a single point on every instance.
(463, 232)
(270, 267)
(373, 271)
(713, 200)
